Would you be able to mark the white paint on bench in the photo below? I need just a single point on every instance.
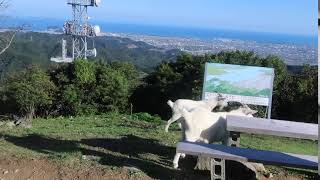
(248, 155)
(272, 127)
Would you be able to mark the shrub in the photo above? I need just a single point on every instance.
(30, 90)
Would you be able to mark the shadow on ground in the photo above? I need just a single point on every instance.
(148, 155)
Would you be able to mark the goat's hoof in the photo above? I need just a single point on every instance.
(175, 166)
(268, 175)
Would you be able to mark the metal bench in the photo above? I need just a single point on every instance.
(220, 153)
(237, 125)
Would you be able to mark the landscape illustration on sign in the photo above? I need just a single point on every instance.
(239, 80)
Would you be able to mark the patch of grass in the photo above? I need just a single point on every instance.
(115, 140)
(273, 143)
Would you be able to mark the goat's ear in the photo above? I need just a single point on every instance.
(254, 112)
(250, 111)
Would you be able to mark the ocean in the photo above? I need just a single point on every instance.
(210, 34)
(42, 24)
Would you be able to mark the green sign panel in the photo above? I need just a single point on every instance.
(245, 84)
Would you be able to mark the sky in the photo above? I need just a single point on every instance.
(277, 16)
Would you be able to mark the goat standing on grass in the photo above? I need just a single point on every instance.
(202, 125)
(190, 104)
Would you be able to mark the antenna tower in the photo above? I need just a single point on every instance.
(80, 30)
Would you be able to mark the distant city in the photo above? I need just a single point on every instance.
(293, 54)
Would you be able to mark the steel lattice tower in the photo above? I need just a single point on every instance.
(80, 30)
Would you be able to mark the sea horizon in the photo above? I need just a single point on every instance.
(206, 34)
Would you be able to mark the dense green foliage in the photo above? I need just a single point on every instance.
(29, 91)
(87, 87)
(83, 87)
(294, 95)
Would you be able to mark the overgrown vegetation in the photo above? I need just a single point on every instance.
(89, 87)
(29, 91)
(294, 95)
(81, 88)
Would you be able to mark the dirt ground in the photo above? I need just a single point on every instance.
(22, 169)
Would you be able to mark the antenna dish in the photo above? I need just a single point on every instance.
(92, 52)
(97, 2)
(96, 30)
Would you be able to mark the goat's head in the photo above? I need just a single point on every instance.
(247, 110)
(220, 97)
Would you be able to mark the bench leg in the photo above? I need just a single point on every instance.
(218, 171)
(234, 139)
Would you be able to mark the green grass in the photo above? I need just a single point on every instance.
(113, 141)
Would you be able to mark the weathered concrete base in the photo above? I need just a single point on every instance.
(234, 169)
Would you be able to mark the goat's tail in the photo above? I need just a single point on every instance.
(170, 103)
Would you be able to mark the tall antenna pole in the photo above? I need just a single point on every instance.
(80, 30)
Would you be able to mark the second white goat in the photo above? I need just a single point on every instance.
(202, 125)
(190, 104)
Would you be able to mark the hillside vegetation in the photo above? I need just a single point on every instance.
(33, 48)
(95, 87)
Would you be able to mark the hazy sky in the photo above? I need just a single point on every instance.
(281, 16)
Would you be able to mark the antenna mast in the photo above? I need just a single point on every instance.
(80, 30)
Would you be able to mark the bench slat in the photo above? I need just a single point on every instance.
(272, 127)
(248, 155)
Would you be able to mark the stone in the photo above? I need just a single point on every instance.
(234, 169)
(5, 172)
(16, 171)
(132, 169)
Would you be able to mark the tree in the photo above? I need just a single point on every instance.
(113, 89)
(86, 87)
(29, 91)
(129, 71)
(7, 37)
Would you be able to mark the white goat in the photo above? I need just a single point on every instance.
(190, 104)
(202, 125)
